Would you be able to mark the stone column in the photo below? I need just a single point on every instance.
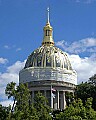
(51, 98)
(57, 99)
(73, 92)
(64, 100)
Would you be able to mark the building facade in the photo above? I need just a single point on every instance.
(49, 71)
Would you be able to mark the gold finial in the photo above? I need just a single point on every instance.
(48, 38)
(48, 15)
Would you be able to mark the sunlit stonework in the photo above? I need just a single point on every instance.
(48, 67)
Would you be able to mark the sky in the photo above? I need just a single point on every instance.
(21, 32)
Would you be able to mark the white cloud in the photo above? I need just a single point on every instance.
(3, 60)
(85, 67)
(85, 1)
(12, 47)
(11, 74)
(6, 46)
(18, 49)
(89, 1)
(16, 67)
(84, 45)
(6, 103)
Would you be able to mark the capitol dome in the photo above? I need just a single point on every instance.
(48, 56)
(48, 70)
(48, 62)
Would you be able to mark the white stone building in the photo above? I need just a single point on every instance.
(48, 69)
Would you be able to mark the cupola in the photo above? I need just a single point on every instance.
(48, 30)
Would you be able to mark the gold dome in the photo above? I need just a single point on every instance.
(48, 56)
(48, 63)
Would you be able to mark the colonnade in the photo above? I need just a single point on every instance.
(56, 102)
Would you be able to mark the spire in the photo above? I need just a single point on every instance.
(48, 15)
(48, 38)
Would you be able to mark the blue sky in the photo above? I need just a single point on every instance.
(21, 31)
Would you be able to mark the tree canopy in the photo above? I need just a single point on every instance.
(87, 90)
(23, 108)
(77, 111)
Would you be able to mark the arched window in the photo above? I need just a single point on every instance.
(39, 61)
(47, 32)
(48, 61)
(57, 62)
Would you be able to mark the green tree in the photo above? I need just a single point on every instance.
(73, 112)
(77, 111)
(4, 112)
(43, 110)
(69, 97)
(11, 92)
(23, 108)
(91, 114)
(87, 90)
(92, 80)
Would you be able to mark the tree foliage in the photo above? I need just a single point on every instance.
(87, 90)
(23, 108)
(69, 97)
(42, 109)
(4, 112)
(77, 111)
(92, 80)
